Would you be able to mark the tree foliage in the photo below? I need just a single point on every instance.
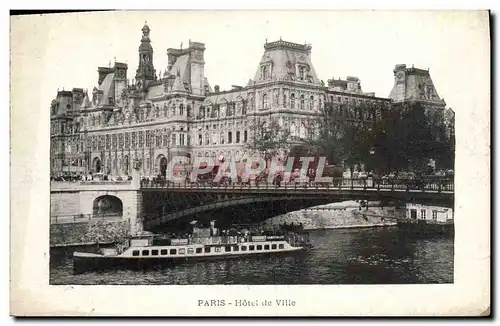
(385, 137)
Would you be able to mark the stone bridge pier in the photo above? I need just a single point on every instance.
(103, 200)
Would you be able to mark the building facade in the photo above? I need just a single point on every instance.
(176, 111)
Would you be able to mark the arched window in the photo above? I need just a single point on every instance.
(222, 138)
(181, 109)
(207, 139)
(264, 101)
(200, 139)
(293, 130)
(264, 72)
(302, 131)
(173, 109)
(311, 103)
(292, 101)
(302, 102)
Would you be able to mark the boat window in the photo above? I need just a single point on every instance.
(227, 248)
(259, 247)
(266, 247)
(164, 252)
(236, 248)
(199, 250)
(243, 248)
(145, 252)
(207, 249)
(281, 246)
(154, 252)
(273, 246)
(252, 247)
(182, 251)
(173, 251)
(190, 251)
(135, 253)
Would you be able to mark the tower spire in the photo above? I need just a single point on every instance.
(145, 70)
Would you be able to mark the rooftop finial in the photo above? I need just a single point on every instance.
(109, 64)
(266, 40)
(114, 58)
(280, 38)
(181, 45)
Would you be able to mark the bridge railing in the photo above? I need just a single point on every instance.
(79, 218)
(431, 185)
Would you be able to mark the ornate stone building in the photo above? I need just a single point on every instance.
(176, 111)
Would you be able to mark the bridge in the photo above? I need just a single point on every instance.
(151, 204)
(165, 202)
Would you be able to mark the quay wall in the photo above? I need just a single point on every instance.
(90, 232)
(339, 215)
(65, 203)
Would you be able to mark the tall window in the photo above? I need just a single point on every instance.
(245, 136)
(200, 139)
(181, 139)
(158, 138)
(311, 102)
(237, 137)
(302, 73)
(181, 109)
(222, 138)
(302, 102)
(264, 101)
(165, 138)
(422, 214)
(207, 139)
(174, 140)
(230, 137)
(292, 101)
(264, 72)
(434, 215)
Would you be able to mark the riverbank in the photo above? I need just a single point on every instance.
(347, 214)
(88, 233)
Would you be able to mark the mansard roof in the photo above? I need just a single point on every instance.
(284, 58)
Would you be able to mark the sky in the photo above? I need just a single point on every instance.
(64, 50)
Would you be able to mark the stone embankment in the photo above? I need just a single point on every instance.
(90, 232)
(348, 214)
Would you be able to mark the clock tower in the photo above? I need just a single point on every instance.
(145, 71)
(398, 92)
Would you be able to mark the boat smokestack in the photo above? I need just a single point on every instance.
(212, 228)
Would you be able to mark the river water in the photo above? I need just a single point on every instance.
(383, 255)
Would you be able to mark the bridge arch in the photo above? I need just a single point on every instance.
(107, 205)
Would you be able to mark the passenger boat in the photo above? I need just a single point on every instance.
(153, 250)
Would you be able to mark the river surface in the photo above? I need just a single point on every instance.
(383, 255)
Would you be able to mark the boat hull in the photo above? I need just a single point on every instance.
(83, 262)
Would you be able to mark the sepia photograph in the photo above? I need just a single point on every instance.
(253, 148)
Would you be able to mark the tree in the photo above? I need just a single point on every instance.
(269, 138)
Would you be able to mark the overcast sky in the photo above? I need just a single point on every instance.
(64, 50)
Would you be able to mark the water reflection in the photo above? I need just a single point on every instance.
(349, 256)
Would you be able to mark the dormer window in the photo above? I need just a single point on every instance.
(264, 72)
(302, 73)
